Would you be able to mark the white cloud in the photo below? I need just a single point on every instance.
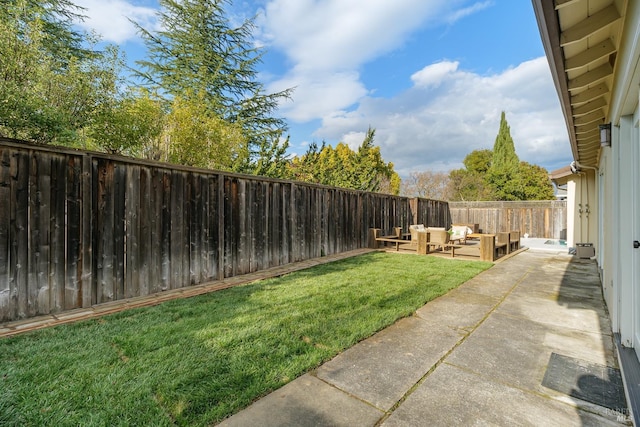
(328, 41)
(447, 113)
(342, 34)
(325, 93)
(110, 18)
(434, 128)
(433, 75)
(461, 13)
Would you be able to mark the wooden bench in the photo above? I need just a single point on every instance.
(502, 244)
(392, 239)
(375, 238)
(487, 247)
(444, 247)
(514, 240)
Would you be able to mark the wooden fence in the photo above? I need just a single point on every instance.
(546, 219)
(78, 228)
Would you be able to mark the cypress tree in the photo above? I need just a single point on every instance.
(503, 176)
(504, 151)
(499, 174)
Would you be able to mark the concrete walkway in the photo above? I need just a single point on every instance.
(476, 356)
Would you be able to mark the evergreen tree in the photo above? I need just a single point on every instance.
(363, 169)
(272, 159)
(498, 174)
(502, 177)
(198, 52)
(370, 168)
(51, 80)
(54, 18)
(469, 183)
(478, 161)
(306, 167)
(535, 183)
(504, 151)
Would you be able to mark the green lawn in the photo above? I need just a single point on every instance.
(196, 361)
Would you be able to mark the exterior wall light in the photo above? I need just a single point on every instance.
(605, 135)
(574, 167)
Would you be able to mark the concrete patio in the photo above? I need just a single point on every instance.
(528, 342)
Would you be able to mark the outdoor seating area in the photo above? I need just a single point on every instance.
(461, 240)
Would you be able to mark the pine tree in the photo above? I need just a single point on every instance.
(51, 78)
(55, 19)
(199, 53)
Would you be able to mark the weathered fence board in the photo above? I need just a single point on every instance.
(6, 306)
(20, 241)
(73, 290)
(38, 276)
(147, 223)
(545, 219)
(86, 250)
(80, 228)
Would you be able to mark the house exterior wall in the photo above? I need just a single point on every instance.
(616, 180)
(603, 205)
(626, 287)
(634, 235)
(619, 191)
(608, 227)
(620, 164)
(571, 213)
(585, 215)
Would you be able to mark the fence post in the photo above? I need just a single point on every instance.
(422, 242)
(373, 234)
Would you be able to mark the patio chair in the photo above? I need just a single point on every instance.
(438, 239)
(414, 230)
(459, 233)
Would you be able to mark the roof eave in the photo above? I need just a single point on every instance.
(549, 28)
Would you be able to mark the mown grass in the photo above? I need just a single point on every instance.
(196, 361)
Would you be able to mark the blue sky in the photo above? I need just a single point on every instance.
(431, 76)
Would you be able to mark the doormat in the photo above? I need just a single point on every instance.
(591, 382)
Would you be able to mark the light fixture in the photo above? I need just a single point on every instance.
(605, 135)
(574, 167)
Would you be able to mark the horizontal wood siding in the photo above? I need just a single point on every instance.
(545, 219)
(82, 228)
